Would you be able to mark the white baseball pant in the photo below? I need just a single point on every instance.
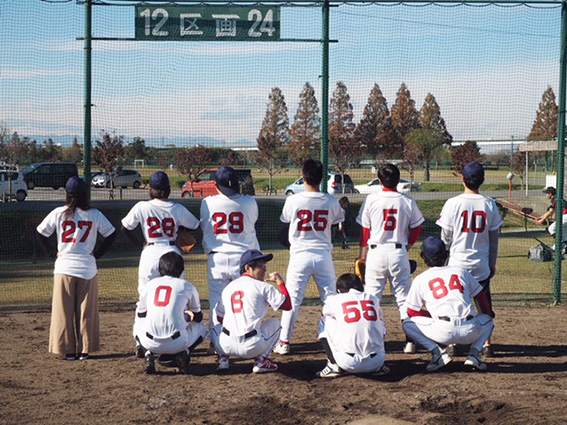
(261, 344)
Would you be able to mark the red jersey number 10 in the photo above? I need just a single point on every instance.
(476, 224)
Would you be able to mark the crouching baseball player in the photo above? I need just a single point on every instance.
(446, 292)
(352, 331)
(171, 320)
(244, 303)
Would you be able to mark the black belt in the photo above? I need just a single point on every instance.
(171, 243)
(174, 336)
(398, 246)
(372, 355)
(448, 319)
(247, 335)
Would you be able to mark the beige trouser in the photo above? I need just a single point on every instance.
(74, 315)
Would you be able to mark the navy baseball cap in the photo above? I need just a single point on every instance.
(227, 181)
(433, 247)
(252, 255)
(550, 189)
(473, 169)
(76, 186)
(159, 181)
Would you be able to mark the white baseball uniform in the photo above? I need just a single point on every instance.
(75, 290)
(354, 327)
(446, 292)
(165, 330)
(390, 216)
(311, 215)
(470, 218)
(159, 221)
(228, 230)
(244, 303)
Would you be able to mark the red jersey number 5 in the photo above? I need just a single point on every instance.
(390, 220)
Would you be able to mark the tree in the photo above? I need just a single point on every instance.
(430, 119)
(345, 150)
(518, 166)
(137, 149)
(305, 132)
(404, 115)
(190, 161)
(274, 136)
(13, 150)
(376, 131)
(545, 123)
(107, 154)
(422, 147)
(231, 158)
(465, 153)
(50, 152)
(74, 153)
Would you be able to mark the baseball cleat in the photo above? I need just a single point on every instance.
(223, 363)
(70, 357)
(182, 362)
(265, 367)
(488, 351)
(438, 361)
(83, 356)
(282, 348)
(140, 351)
(384, 370)
(330, 371)
(410, 348)
(150, 366)
(475, 362)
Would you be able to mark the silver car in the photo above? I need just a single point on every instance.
(121, 178)
(12, 186)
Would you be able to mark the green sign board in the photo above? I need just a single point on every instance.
(212, 23)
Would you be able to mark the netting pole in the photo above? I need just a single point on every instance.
(88, 92)
(560, 157)
(325, 96)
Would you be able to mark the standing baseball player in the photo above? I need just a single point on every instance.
(74, 330)
(160, 220)
(227, 222)
(172, 317)
(469, 225)
(446, 292)
(244, 303)
(352, 331)
(391, 225)
(311, 215)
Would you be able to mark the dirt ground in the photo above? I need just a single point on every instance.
(526, 382)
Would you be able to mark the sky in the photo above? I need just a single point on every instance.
(486, 66)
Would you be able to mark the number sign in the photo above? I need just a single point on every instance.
(215, 23)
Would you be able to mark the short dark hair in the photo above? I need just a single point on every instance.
(436, 261)
(171, 264)
(254, 264)
(349, 281)
(159, 193)
(473, 182)
(312, 172)
(344, 201)
(389, 176)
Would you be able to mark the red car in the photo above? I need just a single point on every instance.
(203, 184)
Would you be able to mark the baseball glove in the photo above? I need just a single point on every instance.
(360, 268)
(412, 265)
(185, 241)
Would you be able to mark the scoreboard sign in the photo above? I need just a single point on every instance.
(213, 23)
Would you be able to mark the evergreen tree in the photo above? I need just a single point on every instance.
(274, 136)
(430, 119)
(404, 115)
(344, 148)
(305, 132)
(545, 124)
(74, 153)
(375, 131)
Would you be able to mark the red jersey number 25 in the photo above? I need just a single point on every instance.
(308, 220)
